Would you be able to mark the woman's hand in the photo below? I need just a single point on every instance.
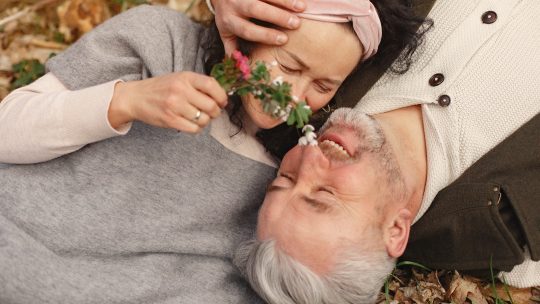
(168, 101)
(232, 20)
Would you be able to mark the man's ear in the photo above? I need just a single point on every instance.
(396, 234)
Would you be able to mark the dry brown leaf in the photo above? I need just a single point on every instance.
(519, 295)
(433, 277)
(78, 17)
(22, 47)
(5, 81)
(424, 293)
(462, 289)
(430, 292)
(418, 275)
(196, 9)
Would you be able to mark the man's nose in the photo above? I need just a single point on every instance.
(313, 161)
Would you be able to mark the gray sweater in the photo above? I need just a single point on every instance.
(150, 217)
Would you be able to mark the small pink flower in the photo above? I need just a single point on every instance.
(237, 55)
(245, 69)
(242, 63)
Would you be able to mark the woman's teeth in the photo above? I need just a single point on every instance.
(334, 147)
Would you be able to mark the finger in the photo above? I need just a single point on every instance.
(270, 13)
(230, 44)
(181, 109)
(209, 86)
(204, 103)
(252, 32)
(203, 120)
(184, 125)
(293, 5)
(180, 123)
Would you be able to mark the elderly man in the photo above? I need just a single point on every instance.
(349, 204)
(338, 214)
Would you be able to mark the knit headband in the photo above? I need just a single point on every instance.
(361, 13)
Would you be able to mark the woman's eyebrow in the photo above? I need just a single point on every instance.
(306, 67)
(297, 59)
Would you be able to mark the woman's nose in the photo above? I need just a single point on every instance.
(299, 89)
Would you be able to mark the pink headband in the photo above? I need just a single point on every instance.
(362, 13)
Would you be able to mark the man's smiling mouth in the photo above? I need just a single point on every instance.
(334, 149)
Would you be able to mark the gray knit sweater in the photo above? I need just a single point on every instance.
(150, 217)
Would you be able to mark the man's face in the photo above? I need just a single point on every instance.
(328, 198)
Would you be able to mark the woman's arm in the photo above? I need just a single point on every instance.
(45, 120)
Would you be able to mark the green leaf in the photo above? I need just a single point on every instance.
(291, 119)
(409, 263)
(26, 72)
(300, 121)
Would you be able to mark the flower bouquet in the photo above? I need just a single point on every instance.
(236, 76)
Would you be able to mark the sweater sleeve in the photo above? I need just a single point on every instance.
(45, 120)
(143, 42)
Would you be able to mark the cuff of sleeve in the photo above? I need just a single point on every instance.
(86, 113)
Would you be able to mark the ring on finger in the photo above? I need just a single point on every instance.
(197, 116)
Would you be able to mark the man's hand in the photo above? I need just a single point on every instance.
(232, 20)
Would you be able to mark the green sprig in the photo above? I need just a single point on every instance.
(275, 96)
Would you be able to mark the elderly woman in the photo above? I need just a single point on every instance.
(153, 216)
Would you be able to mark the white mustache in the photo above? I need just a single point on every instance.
(368, 129)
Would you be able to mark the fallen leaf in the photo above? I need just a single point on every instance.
(78, 17)
(519, 295)
(462, 289)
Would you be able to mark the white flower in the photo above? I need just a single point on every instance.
(307, 107)
(309, 138)
(308, 129)
(284, 115)
(258, 92)
(278, 80)
(231, 92)
(305, 140)
(273, 63)
(295, 98)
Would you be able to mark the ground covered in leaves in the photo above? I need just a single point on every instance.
(33, 30)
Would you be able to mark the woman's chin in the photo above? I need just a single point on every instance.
(266, 122)
(256, 114)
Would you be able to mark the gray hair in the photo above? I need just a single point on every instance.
(279, 279)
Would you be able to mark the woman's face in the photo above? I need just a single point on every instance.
(316, 60)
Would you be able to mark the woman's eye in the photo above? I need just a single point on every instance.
(287, 69)
(322, 89)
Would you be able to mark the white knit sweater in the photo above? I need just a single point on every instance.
(491, 74)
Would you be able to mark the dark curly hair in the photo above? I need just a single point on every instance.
(403, 30)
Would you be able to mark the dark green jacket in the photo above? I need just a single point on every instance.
(489, 213)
